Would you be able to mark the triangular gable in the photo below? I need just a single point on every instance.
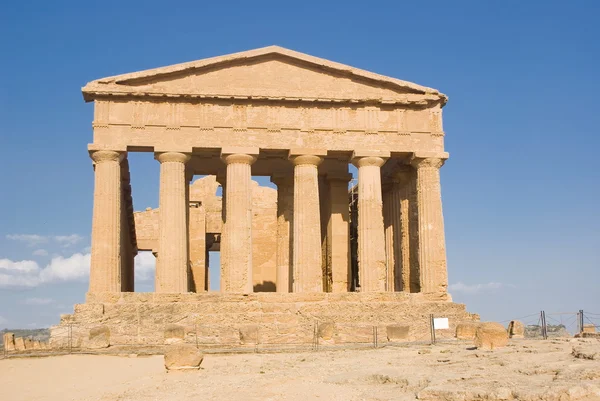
(267, 73)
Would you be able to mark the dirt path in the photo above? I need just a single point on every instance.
(525, 370)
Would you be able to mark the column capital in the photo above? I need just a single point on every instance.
(238, 158)
(301, 160)
(101, 156)
(362, 161)
(172, 157)
(434, 162)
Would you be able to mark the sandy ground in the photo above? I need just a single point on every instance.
(525, 370)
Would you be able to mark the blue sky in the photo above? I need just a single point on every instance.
(520, 190)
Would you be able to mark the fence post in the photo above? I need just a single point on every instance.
(544, 327)
(432, 328)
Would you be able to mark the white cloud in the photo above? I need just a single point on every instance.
(145, 264)
(35, 239)
(40, 252)
(30, 239)
(475, 288)
(68, 240)
(38, 301)
(24, 266)
(27, 273)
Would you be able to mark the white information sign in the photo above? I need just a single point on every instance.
(440, 323)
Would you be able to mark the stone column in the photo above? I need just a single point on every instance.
(388, 214)
(306, 253)
(432, 242)
(285, 215)
(105, 268)
(172, 264)
(371, 236)
(223, 252)
(239, 219)
(338, 241)
(400, 219)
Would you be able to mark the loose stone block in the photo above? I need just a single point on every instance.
(174, 334)
(589, 328)
(28, 343)
(397, 332)
(36, 344)
(9, 341)
(466, 331)
(99, 337)
(516, 329)
(491, 335)
(19, 344)
(183, 357)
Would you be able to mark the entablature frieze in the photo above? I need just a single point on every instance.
(270, 117)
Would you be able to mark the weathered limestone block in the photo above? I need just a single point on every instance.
(466, 331)
(99, 337)
(19, 344)
(183, 357)
(28, 343)
(249, 334)
(9, 341)
(491, 335)
(174, 334)
(326, 330)
(36, 344)
(589, 328)
(516, 329)
(397, 332)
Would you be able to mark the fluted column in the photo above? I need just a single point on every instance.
(223, 252)
(306, 253)
(285, 215)
(239, 222)
(432, 242)
(338, 241)
(371, 236)
(105, 268)
(400, 219)
(388, 214)
(172, 264)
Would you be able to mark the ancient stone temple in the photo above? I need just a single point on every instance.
(371, 252)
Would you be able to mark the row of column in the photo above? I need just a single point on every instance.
(304, 273)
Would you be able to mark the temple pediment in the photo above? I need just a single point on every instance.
(270, 73)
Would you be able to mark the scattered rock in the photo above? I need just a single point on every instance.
(516, 329)
(424, 351)
(9, 341)
(586, 352)
(183, 357)
(491, 335)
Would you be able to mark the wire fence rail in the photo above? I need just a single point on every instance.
(315, 336)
